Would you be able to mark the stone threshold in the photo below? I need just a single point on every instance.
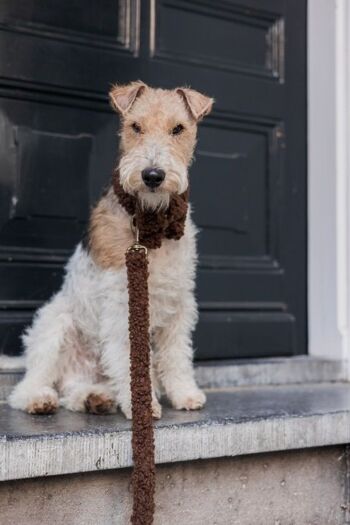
(241, 372)
(235, 421)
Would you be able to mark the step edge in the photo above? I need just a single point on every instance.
(75, 453)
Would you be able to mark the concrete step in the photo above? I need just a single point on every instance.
(269, 455)
(272, 455)
(236, 421)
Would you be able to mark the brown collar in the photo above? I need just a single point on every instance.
(153, 226)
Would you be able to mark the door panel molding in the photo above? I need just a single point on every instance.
(125, 37)
(242, 26)
(273, 172)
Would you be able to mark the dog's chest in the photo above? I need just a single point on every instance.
(171, 277)
(171, 270)
(165, 265)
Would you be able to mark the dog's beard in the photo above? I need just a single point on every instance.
(153, 200)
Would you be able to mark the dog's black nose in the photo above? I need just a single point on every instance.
(153, 177)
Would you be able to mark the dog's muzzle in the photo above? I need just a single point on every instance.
(153, 177)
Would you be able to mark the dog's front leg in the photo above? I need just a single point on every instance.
(115, 361)
(115, 357)
(174, 357)
(43, 343)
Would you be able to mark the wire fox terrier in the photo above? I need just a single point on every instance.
(77, 350)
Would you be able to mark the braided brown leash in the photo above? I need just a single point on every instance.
(150, 227)
(143, 477)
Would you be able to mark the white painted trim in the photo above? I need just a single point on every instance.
(342, 76)
(328, 178)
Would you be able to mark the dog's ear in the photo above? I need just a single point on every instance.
(122, 97)
(199, 105)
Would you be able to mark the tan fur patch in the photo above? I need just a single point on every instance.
(157, 112)
(109, 233)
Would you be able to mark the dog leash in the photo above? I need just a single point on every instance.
(149, 229)
(143, 476)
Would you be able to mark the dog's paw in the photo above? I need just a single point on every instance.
(190, 400)
(43, 403)
(99, 403)
(38, 400)
(95, 399)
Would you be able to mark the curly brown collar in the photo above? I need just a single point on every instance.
(154, 226)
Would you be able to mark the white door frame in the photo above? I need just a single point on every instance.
(328, 24)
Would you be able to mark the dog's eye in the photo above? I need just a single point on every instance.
(136, 127)
(177, 130)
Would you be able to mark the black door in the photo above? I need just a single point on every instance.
(248, 185)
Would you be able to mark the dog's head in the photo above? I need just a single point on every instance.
(158, 136)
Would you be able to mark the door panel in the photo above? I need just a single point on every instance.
(220, 35)
(248, 184)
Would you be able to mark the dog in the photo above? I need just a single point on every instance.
(77, 349)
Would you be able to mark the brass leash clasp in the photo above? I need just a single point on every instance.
(136, 246)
